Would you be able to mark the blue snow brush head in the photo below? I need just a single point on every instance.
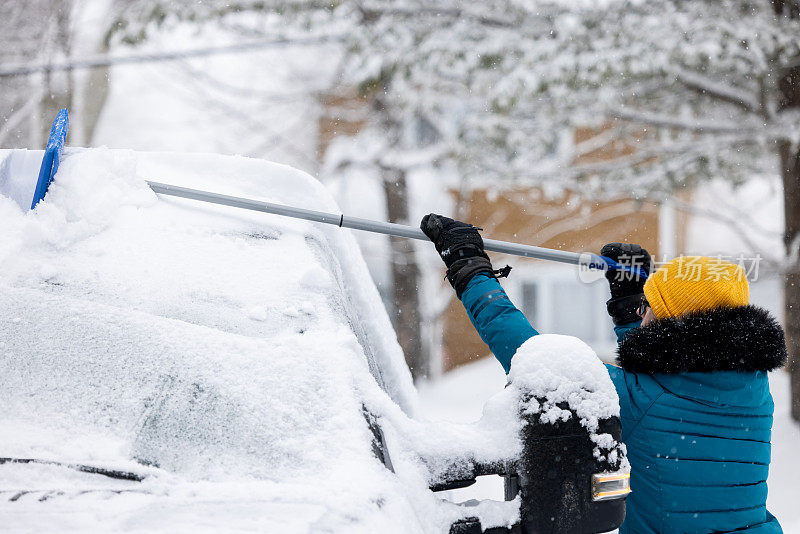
(52, 155)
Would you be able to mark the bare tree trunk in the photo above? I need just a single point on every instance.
(789, 153)
(405, 277)
(59, 87)
(790, 171)
(94, 95)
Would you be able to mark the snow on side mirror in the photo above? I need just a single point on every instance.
(573, 473)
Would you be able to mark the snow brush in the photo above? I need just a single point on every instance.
(585, 260)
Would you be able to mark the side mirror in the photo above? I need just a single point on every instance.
(570, 473)
(565, 485)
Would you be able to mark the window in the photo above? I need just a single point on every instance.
(559, 303)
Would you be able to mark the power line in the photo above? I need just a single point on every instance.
(105, 61)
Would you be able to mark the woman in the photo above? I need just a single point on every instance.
(693, 357)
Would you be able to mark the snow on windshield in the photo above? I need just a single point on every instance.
(203, 340)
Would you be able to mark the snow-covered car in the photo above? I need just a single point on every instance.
(169, 365)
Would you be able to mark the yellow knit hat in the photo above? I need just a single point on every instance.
(696, 283)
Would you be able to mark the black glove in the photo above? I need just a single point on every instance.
(461, 248)
(626, 286)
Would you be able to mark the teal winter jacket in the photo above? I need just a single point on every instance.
(695, 408)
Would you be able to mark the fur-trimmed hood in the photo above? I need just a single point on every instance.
(745, 338)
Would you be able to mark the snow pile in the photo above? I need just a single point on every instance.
(554, 372)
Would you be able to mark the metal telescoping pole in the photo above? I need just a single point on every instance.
(586, 260)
